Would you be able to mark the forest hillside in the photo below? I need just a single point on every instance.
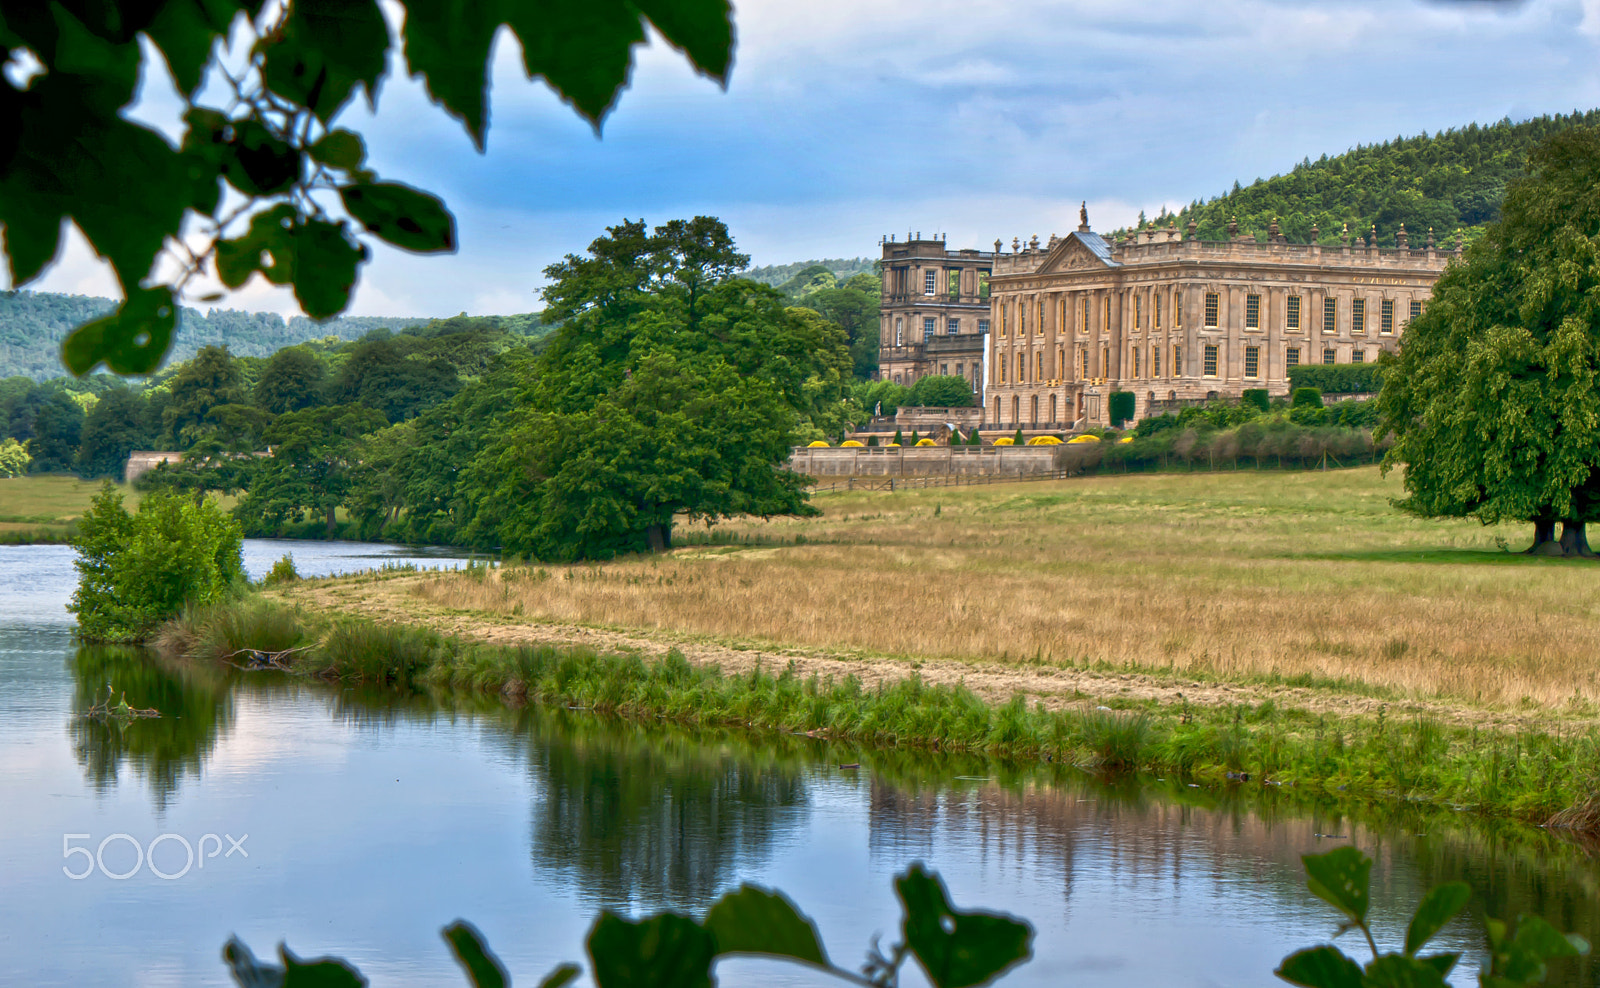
(1449, 181)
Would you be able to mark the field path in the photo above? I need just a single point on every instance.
(397, 599)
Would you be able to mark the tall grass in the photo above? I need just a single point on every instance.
(1529, 775)
(1286, 577)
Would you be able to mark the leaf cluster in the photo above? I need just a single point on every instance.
(955, 948)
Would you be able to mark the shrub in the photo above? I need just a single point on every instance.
(1256, 398)
(137, 570)
(1307, 398)
(1121, 408)
(1338, 378)
(282, 571)
(872, 440)
(897, 440)
(915, 438)
(1016, 440)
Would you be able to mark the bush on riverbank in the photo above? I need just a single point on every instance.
(1529, 775)
(137, 570)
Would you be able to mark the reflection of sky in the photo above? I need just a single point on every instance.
(369, 830)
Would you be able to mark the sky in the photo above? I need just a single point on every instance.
(848, 120)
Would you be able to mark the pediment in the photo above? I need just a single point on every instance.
(1071, 254)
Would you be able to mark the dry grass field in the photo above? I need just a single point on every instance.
(1296, 578)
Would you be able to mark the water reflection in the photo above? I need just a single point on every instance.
(646, 819)
(196, 706)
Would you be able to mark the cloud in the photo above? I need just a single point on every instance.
(846, 120)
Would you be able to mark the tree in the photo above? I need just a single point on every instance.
(118, 424)
(671, 387)
(1494, 397)
(70, 153)
(941, 391)
(291, 380)
(137, 570)
(211, 379)
(14, 458)
(57, 431)
(311, 471)
(1121, 406)
(380, 375)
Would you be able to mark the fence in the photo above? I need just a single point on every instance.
(918, 483)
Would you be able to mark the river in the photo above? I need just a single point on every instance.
(359, 822)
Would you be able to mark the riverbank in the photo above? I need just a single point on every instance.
(1391, 753)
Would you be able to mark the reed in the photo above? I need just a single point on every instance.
(1529, 775)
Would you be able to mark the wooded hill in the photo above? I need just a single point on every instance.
(1449, 181)
(33, 324)
(843, 268)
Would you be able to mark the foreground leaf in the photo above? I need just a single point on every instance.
(666, 951)
(1400, 971)
(1320, 967)
(957, 949)
(1437, 908)
(408, 218)
(474, 956)
(1341, 879)
(756, 921)
(131, 340)
(246, 970)
(561, 976)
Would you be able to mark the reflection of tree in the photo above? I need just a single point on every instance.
(646, 818)
(195, 709)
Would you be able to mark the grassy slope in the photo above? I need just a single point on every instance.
(1226, 616)
(42, 509)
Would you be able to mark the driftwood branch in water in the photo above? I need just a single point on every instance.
(258, 659)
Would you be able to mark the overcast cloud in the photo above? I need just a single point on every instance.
(845, 121)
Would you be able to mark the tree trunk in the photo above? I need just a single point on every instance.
(660, 537)
(1574, 540)
(331, 523)
(1544, 538)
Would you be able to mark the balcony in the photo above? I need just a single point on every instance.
(955, 343)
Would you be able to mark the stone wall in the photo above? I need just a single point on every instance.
(142, 461)
(925, 461)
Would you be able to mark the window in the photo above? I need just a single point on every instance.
(1416, 308)
(1084, 326)
(1291, 313)
(1038, 366)
(1105, 361)
(1061, 361)
(1292, 358)
(953, 326)
(1211, 310)
(1158, 311)
(1252, 312)
(1002, 368)
(1177, 308)
(961, 370)
(1136, 362)
(1358, 357)
(1083, 362)
(1328, 355)
(1358, 315)
(983, 325)
(899, 331)
(944, 370)
(1330, 315)
(927, 326)
(1155, 361)
(930, 281)
(1177, 360)
(983, 284)
(1211, 360)
(1252, 361)
(1022, 320)
(1386, 317)
(955, 281)
(1038, 323)
(1021, 369)
(1138, 311)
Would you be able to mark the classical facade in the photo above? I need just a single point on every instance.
(935, 313)
(1174, 319)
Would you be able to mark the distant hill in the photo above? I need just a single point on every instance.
(777, 274)
(1452, 180)
(33, 324)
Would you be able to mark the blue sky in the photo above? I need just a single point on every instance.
(844, 121)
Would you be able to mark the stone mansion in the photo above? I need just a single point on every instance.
(1047, 332)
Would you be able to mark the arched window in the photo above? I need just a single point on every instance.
(899, 331)
(1034, 417)
(1016, 410)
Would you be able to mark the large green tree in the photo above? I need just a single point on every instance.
(1494, 398)
(118, 424)
(158, 213)
(316, 455)
(211, 379)
(291, 379)
(672, 387)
